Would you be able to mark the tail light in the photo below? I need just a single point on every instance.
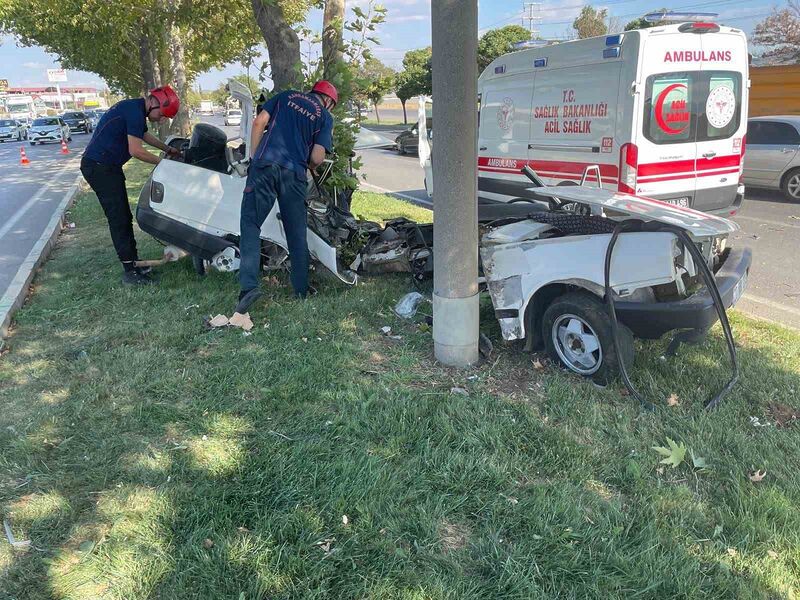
(628, 164)
(741, 160)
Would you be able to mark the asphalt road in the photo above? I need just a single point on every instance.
(29, 195)
(769, 225)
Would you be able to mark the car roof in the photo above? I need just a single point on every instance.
(795, 119)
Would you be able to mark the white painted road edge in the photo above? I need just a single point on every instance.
(18, 288)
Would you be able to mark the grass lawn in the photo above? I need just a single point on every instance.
(145, 457)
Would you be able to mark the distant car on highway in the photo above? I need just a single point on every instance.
(772, 157)
(94, 116)
(49, 129)
(408, 141)
(78, 121)
(11, 130)
(233, 116)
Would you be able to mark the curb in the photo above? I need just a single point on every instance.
(14, 297)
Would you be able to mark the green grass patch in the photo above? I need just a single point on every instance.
(146, 457)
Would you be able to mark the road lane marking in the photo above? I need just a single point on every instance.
(16, 290)
(776, 305)
(424, 202)
(30, 203)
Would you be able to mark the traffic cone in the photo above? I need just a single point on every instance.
(64, 149)
(23, 158)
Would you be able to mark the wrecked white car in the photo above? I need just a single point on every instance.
(542, 261)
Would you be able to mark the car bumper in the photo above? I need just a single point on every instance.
(652, 320)
(46, 138)
(731, 210)
(8, 136)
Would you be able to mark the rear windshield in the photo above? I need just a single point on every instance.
(46, 122)
(6, 123)
(234, 112)
(692, 106)
(73, 115)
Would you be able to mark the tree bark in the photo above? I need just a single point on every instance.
(405, 118)
(332, 28)
(180, 124)
(151, 74)
(283, 45)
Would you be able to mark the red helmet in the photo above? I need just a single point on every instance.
(168, 100)
(326, 88)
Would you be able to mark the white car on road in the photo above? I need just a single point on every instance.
(11, 130)
(48, 129)
(233, 116)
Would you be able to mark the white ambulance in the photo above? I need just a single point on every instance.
(662, 112)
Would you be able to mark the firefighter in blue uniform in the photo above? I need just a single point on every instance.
(299, 130)
(118, 136)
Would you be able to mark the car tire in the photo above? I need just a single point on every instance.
(33, 143)
(790, 185)
(199, 265)
(576, 322)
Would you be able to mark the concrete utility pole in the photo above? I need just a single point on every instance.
(455, 195)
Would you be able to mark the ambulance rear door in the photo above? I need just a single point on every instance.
(665, 143)
(721, 112)
(503, 134)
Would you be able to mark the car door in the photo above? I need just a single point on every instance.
(771, 146)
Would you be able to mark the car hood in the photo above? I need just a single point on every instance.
(698, 224)
(241, 93)
(367, 138)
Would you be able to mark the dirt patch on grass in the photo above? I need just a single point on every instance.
(453, 536)
(782, 414)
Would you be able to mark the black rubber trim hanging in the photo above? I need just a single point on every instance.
(711, 284)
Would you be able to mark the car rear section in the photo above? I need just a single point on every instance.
(691, 118)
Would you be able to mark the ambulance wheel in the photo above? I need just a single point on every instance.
(199, 265)
(790, 185)
(577, 333)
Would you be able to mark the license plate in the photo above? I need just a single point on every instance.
(738, 290)
(684, 202)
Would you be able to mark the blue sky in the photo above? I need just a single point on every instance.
(408, 27)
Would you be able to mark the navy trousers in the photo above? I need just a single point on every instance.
(264, 185)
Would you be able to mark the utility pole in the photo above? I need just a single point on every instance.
(455, 195)
(530, 13)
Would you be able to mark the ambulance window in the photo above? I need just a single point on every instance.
(668, 117)
(719, 104)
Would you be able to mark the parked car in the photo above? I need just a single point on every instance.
(233, 116)
(772, 158)
(49, 129)
(408, 141)
(78, 121)
(11, 130)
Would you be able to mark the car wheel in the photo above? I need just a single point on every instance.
(790, 185)
(199, 265)
(33, 143)
(577, 333)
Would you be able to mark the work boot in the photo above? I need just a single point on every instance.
(143, 270)
(136, 278)
(247, 299)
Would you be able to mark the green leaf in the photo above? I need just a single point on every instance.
(674, 454)
(698, 461)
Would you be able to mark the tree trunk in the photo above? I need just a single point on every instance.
(405, 117)
(151, 74)
(332, 28)
(377, 114)
(180, 124)
(283, 45)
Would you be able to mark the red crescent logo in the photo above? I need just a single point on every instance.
(659, 109)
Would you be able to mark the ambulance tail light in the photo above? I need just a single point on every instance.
(628, 165)
(741, 161)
